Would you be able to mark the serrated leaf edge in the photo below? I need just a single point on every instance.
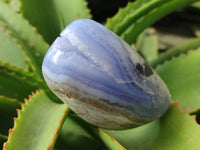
(135, 15)
(20, 111)
(177, 51)
(88, 9)
(176, 57)
(184, 110)
(112, 23)
(52, 142)
(112, 138)
(35, 55)
(29, 66)
(130, 34)
(19, 73)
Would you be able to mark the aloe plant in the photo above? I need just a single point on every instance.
(164, 32)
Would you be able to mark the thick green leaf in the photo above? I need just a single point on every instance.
(26, 36)
(37, 125)
(51, 16)
(69, 10)
(176, 130)
(147, 45)
(15, 4)
(17, 83)
(130, 21)
(43, 15)
(18, 39)
(7, 113)
(109, 141)
(77, 134)
(173, 52)
(10, 50)
(140, 12)
(182, 76)
(82, 133)
(112, 23)
(132, 32)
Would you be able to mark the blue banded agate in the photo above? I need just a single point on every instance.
(102, 78)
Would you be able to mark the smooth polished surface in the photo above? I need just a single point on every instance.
(102, 78)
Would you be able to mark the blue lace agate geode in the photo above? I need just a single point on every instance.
(102, 78)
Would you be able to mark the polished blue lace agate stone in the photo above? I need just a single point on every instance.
(102, 78)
